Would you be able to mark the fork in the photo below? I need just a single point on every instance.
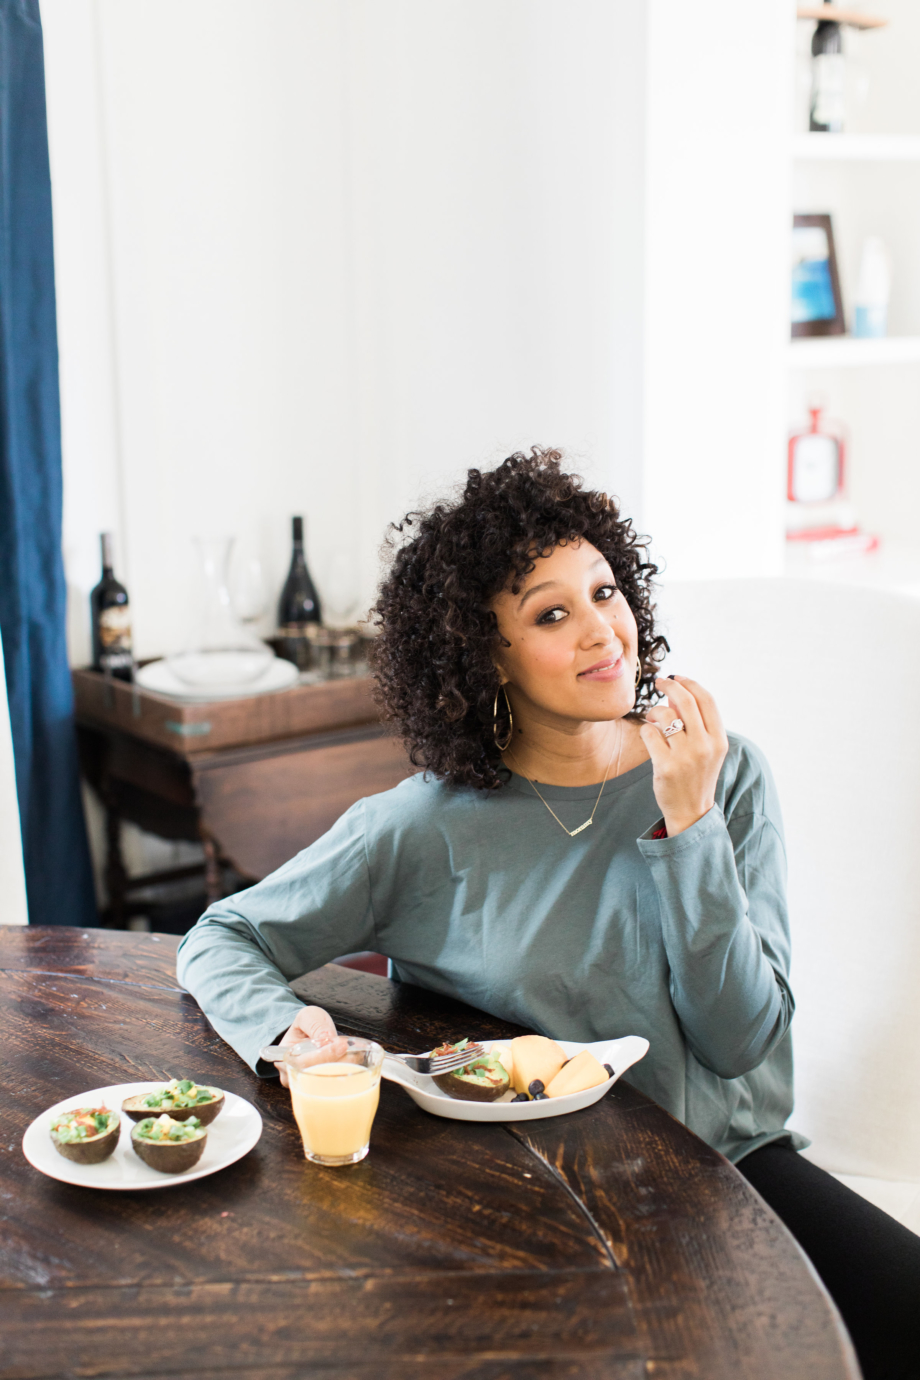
(439, 1063)
(434, 1065)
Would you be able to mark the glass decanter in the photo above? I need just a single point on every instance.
(221, 652)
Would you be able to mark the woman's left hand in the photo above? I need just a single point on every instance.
(312, 1023)
(686, 765)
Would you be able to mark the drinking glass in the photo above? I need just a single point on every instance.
(343, 652)
(335, 1089)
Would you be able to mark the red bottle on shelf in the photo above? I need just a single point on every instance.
(818, 512)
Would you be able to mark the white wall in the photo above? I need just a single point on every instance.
(717, 284)
(321, 256)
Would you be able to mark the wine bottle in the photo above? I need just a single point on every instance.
(828, 80)
(299, 602)
(111, 620)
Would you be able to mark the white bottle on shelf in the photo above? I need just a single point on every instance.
(872, 290)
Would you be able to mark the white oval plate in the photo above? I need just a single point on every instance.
(230, 1137)
(619, 1054)
(160, 678)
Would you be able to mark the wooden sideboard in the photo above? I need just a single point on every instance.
(254, 780)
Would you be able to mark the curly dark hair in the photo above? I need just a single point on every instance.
(433, 658)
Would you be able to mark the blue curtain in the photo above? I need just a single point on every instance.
(32, 589)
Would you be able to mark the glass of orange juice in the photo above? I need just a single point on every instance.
(335, 1089)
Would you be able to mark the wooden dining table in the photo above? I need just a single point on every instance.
(610, 1244)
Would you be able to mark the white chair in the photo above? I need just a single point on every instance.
(13, 910)
(824, 678)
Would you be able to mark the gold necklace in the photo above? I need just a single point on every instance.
(572, 832)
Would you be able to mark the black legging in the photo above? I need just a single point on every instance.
(869, 1263)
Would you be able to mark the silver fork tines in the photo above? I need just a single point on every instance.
(440, 1063)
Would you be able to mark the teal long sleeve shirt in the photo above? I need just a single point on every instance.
(481, 896)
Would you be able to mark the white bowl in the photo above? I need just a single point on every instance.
(619, 1054)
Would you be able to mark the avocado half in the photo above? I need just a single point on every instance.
(94, 1149)
(486, 1080)
(206, 1112)
(169, 1157)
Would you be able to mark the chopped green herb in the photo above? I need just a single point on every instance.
(83, 1123)
(163, 1128)
(180, 1093)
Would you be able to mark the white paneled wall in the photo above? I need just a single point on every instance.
(352, 249)
(90, 414)
(322, 255)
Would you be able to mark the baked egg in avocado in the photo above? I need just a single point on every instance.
(85, 1135)
(181, 1098)
(167, 1145)
(483, 1080)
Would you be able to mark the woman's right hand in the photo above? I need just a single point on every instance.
(311, 1023)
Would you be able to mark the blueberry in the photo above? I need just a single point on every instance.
(535, 1087)
(539, 1097)
(609, 1070)
(521, 1097)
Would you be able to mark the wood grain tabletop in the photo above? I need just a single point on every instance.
(611, 1244)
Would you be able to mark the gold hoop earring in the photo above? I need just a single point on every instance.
(502, 747)
(638, 673)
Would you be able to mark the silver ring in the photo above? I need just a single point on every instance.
(675, 726)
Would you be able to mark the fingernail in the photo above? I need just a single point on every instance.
(672, 678)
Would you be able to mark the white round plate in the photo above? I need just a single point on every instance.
(163, 681)
(619, 1054)
(233, 1134)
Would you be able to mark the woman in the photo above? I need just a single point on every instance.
(575, 857)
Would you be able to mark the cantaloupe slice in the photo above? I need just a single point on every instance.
(535, 1057)
(580, 1073)
(503, 1053)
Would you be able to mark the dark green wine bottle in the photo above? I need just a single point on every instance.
(111, 620)
(299, 602)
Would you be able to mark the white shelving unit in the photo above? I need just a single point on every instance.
(860, 148)
(846, 351)
(869, 184)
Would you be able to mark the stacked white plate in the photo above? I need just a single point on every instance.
(159, 677)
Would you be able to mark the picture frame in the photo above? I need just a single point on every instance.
(817, 306)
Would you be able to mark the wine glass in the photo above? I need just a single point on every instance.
(248, 589)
